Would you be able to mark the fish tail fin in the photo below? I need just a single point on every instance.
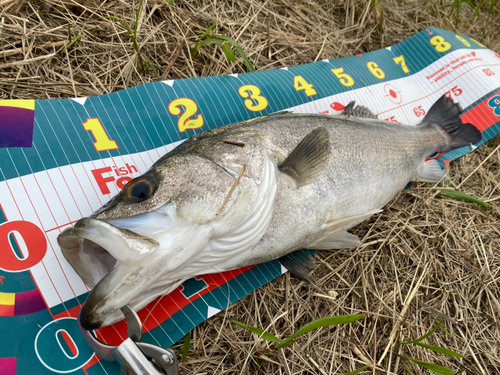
(445, 114)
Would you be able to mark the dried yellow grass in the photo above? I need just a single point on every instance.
(425, 257)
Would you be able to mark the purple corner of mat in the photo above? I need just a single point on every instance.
(29, 303)
(16, 126)
(8, 366)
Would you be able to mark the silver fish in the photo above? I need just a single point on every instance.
(248, 193)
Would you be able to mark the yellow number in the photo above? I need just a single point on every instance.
(102, 141)
(190, 109)
(299, 83)
(254, 95)
(401, 60)
(376, 71)
(440, 44)
(466, 43)
(345, 79)
(479, 44)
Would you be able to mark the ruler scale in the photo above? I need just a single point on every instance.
(62, 159)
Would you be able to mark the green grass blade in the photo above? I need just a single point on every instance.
(236, 45)
(357, 371)
(260, 332)
(439, 349)
(137, 18)
(74, 41)
(465, 197)
(411, 372)
(333, 320)
(211, 41)
(421, 338)
(207, 31)
(185, 347)
(228, 52)
(437, 369)
(121, 23)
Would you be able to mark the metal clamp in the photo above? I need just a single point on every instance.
(134, 356)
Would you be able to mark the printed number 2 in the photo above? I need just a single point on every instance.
(440, 44)
(299, 83)
(102, 141)
(190, 109)
(254, 93)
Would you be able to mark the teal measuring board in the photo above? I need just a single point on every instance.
(62, 159)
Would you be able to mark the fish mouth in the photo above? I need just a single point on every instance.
(117, 263)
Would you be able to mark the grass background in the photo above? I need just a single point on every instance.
(428, 258)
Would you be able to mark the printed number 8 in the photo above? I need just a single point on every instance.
(440, 44)
(254, 95)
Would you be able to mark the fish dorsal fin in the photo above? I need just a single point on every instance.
(309, 159)
(300, 263)
(357, 111)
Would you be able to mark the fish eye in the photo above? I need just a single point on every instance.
(141, 189)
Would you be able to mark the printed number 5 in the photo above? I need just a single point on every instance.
(254, 93)
(345, 79)
(190, 109)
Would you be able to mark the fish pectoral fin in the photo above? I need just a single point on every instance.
(357, 111)
(309, 159)
(338, 240)
(335, 234)
(431, 172)
(300, 263)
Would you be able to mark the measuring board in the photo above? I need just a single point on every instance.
(62, 159)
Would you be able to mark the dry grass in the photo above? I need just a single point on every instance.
(426, 257)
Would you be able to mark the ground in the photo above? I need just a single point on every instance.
(426, 259)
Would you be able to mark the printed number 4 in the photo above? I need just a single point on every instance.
(300, 84)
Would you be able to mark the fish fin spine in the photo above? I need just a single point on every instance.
(445, 114)
(357, 111)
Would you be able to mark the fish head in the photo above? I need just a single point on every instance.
(143, 242)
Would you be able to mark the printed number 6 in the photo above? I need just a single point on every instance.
(344, 79)
(190, 109)
(262, 102)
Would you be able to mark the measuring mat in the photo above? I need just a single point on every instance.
(62, 159)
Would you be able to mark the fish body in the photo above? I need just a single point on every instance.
(248, 193)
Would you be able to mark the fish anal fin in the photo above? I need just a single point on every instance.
(309, 159)
(338, 240)
(300, 263)
(335, 232)
(431, 172)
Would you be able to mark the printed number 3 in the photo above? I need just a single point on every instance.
(254, 93)
(190, 109)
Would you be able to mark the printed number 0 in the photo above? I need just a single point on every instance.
(254, 94)
(190, 109)
(33, 251)
(376, 71)
(440, 44)
(299, 83)
(344, 79)
(102, 141)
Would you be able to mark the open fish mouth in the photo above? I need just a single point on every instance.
(115, 262)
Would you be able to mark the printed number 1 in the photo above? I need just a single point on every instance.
(102, 141)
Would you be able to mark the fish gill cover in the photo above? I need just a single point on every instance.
(66, 158)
